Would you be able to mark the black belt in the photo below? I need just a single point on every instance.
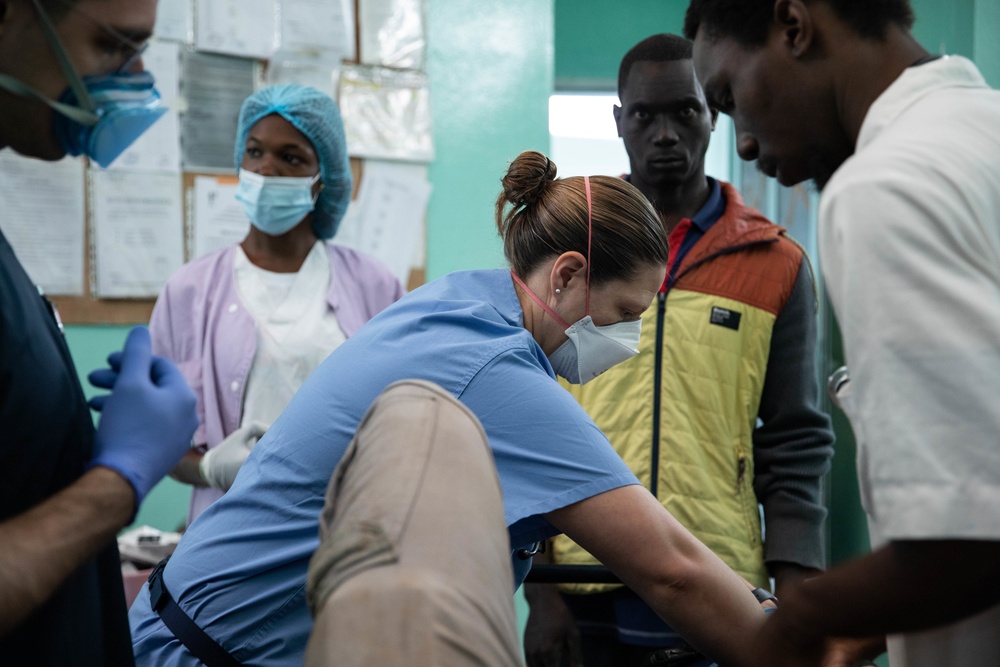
(187, 631)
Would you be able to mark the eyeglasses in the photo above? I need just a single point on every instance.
(133, 49)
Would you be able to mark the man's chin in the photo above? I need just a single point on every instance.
(818, 176)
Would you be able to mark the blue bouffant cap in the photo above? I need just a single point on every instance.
(316, 116)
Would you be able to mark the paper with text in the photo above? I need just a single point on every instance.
(387, 219)
(42, 215)
(214, 88)
(245, 28)
(217, 219)
(137, 232)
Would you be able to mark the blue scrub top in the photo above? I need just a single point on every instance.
(240, 569)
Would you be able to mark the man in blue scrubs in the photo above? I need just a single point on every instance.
(65, 491)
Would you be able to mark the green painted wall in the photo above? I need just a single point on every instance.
(945, 27)
(593, 35)
(490, 66)
(986, 40)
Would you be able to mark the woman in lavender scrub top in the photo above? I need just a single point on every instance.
(248, 323)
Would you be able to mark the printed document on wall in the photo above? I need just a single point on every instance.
(137, 233)
(174, 21)
(386, 220)
(392, 33)
(159, 147)
(214, 88)
(315, 36)
(387, 113)
(42, 215)
(238, 27)
(217, 219)
(317, 24)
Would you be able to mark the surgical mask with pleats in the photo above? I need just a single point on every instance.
(590, 349)
(97, 116)
(275, 204)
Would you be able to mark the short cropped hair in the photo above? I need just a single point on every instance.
(658, 49)
(747, 21)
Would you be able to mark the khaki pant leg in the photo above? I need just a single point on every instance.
(414, 563)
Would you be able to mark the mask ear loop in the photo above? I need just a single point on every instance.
(590, 231)
(534, 297)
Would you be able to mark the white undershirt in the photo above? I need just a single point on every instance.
(296, 329)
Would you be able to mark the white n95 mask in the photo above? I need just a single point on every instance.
(591, 349)
(275, 204)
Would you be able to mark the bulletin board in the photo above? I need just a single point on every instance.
(101, 242)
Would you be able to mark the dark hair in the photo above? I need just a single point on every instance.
(747, 21)
(658, 49)
(548, 216)
(56, 9)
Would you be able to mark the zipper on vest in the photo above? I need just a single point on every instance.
(654, 470)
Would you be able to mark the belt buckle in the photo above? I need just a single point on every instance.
(158, 594)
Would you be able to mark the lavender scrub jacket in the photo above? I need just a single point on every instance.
(201, 324)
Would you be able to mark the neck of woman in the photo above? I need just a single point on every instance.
(280, 254)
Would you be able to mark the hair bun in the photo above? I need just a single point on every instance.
(526, 178)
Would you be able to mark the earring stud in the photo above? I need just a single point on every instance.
(558, 291)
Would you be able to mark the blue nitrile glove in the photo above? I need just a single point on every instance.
(148, 419)
(104, 378)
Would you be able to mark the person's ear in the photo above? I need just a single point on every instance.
(569, 267)
(794, 20)
(617, 111)
(715, 116)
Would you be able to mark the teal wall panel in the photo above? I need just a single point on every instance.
(986, 38)
(945, 27)
(491, 71)
(592, 36)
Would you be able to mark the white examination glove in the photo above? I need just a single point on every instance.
(220, 464)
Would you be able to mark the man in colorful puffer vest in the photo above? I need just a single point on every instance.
(719, 413)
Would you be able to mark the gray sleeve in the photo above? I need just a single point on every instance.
(794, 443)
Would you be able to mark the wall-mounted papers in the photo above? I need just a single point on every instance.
(317, 24)
(310, 67)
(217, 219)
(386, 220)
(42, 216)
(174, 21)
(159, 148)
(238, 27)
(137, 232)
(213, 88)
(386, 113)
(392, 33)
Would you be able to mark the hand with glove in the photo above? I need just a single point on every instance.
(220, 464)
(148, 418)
